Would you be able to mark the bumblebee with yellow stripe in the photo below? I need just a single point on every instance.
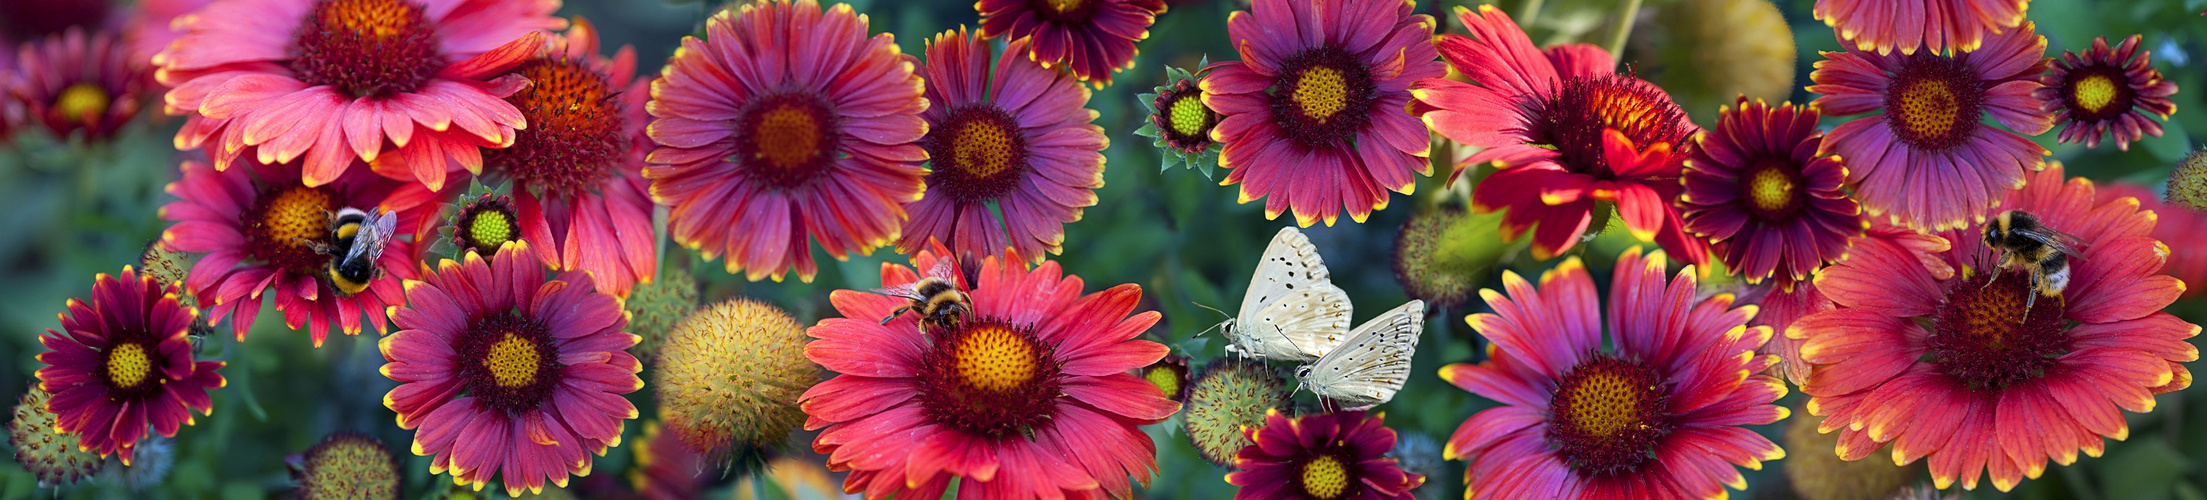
(2024, 241)
(935, 297)
(357, 238)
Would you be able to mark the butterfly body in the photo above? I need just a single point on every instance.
(1369, 367)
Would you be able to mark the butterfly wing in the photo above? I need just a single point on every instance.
(1372, 365)
(1291, 298)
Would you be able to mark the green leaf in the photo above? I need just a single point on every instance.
(2141, 469)
(2172, 145)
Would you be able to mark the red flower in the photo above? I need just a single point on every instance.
(1766, 201)
(1936, 25)
(2106, 90)
(2183, 231)
(1013, 135)
(1954, 370)
(1780, 307)
(1566, 131)
(1332, 455)
(125, 364)
(1091, 38)
(1928, 162)
(760, 151)
(258, 226)
(1661, 416)
(336, 80)
(1309, 120)
(578, 168)
(542, 365)
(76, 82)
(1029, 396)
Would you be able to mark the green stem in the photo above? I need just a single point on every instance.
(1530, 14)
(1624, 30)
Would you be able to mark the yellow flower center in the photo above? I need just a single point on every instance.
(128, 365)
(298, 213)
(1606, 403)
(82, 99)
(1991, 335)
(995, 358)
(1321, 92)
(512, 361)
(491, 228)
(983, 149)
(1189, 116)
(1929, 108)
(368, 18)
(1164, 378)
(1770, 190)
(1325, 477)
(2095, 92)
(788, 137)
(1064, 6)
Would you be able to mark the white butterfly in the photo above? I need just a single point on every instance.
(1367, 369)
(1292, 311)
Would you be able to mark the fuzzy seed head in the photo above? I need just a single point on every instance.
(2188, 184)
(1230, 394)
(657, 307)
(1818, 473)
(346, 465)
(731, 374)
(47, 453)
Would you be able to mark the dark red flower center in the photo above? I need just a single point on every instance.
(1324, 97)
(366, 48)
(1983, 337)
(1608, 414)
(787, 140)
(283, 229)
(1773, 191)
(574, 135)
(2097, 93)
(1934, 103)
(486, 223)
(507, 362)
(1064, 11)
(1573, 119)
(979, 154)
(989, 379)
(1183, 118)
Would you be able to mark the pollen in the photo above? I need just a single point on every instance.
(1984, 338)
(1609, 413)
(983, 149)
(128, 365)
(1582, 108)
(787, 139)
(1606, 403)
(366, 48)
(1933, 103)
(512, 361)
(1065, 6)
(298, 213)
(574, 134)
(1929, 107)
(2094, 93)
(1190, 117)
(1321, 92)
(1325, 477)
(1164, 378)
(995, 358)
(1771, 190)
(491, 228)
(82, 100)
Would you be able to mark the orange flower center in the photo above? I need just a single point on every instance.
(574, 136)
(83, 101)
(283, 230)
(787, 140)
(1984, 338)
(1064, 6)
(988, 378)
(128, 365)
(366, 48)
(1574, 119)
(1933, 103)
(1771, 189)
(1325, 477)
(1609, 413)
(1324, 97)
(979, 153)
(512, 361)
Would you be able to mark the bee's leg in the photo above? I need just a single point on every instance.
(894, 314)
(2030, 300)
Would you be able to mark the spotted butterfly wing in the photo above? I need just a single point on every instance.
(1292, 311)
(1372, 365)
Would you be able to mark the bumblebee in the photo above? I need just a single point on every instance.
(2025, 242)
(357, 239)
(935, 297)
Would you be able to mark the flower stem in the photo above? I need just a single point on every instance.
(1531, 13)
(1624, 29)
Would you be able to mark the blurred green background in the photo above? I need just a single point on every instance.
(69, 210)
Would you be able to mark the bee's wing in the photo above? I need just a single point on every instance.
(904, 291)
(946, 269)
(2064, 242)
(374, 233)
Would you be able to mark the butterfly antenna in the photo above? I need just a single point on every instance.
(1213, 309)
